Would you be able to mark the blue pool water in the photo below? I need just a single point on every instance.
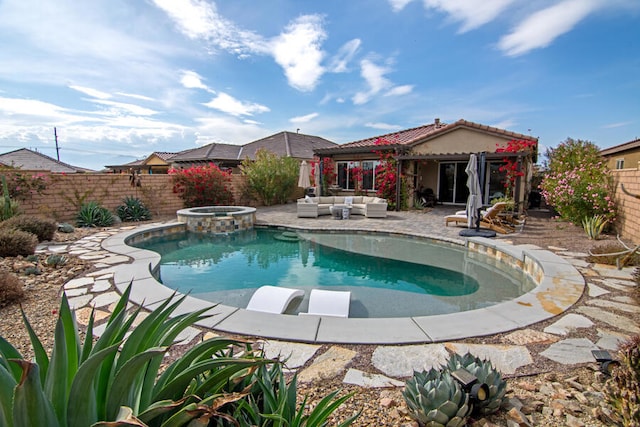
(388, 276)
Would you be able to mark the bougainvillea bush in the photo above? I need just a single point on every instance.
(578, 183)
(387, 177)
(202, 186)
(511, 167)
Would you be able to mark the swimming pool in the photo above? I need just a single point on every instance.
(388, 276)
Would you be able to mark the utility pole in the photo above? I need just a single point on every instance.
(55, 134)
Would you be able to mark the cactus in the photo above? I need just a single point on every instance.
(486, 373)
(435, 399)
(622, 389)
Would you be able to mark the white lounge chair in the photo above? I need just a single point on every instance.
(273, 299)
(329, 303)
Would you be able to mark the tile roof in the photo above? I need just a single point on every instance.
(164, 155)
(291, 144)
(620, 148)
(212, 152)
(414, 136)
(24, 158)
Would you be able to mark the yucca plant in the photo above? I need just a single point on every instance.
(133, 209)
(83, 383)
(9, 207)
(435, 399)
(594, 226)
(487, 374)
(91, 214)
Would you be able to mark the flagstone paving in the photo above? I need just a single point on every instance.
(608, 318)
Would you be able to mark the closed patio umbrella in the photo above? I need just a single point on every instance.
(303, 179)
(474, 202)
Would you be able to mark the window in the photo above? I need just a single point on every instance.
(350, 172)
(619, 163)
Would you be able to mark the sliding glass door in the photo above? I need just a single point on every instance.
(452, 186)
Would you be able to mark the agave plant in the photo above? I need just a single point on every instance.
(594, 226)
(435, 399)
(486, 373)
(91, 214)
(133, 209)
(119, 377)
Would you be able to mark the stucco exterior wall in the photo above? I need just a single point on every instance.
(630, 158)
(462, 141)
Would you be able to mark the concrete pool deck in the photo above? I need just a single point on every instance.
(561, 285)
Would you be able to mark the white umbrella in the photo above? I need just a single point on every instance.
(303, 179)
(474, 202)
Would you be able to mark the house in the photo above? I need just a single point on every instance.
(156, 162)
(434, 156)
(623, 156)
(26, 159)
(229, 156)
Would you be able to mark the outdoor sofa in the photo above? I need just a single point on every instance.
(371, 207)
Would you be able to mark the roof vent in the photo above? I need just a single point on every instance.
(437, 122)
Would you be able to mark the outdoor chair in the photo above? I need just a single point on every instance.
(329, 303)
(273, 299)
(489, 219)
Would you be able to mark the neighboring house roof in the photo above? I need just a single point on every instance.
(631, 145)
(210, 152)
(418, 135)
(287, 144)
(163, 155)
(24, 158)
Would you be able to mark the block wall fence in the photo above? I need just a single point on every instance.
(65, 194)
(628, 222)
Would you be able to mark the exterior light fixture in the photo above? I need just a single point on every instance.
(604, 358)
(469, 382)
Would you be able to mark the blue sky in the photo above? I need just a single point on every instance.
(120, 79)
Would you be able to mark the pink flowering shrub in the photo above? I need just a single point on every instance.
(22, 185)
(202, 186)
(387, 177)
(578, 183)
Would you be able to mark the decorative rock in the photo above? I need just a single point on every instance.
(401, 361)
(518, 417)
(387, 402)
(530, 336)
(327, 365)
(294, 354)
(82, 315)
(571, 351)
(614, 320)
(364, 379)
(596, 291)
(568, 323)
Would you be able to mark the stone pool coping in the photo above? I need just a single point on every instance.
(560, 286)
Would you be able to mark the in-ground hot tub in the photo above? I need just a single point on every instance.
(218, 219)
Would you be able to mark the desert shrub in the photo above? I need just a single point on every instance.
(93, 215)
(56, 260)
(610, 253)
(43, 228)
(8, 207)
(594, 226)
(202, 186)
(578, 183)
(622, 389)
(133, 209)
(270, 178)
(10, 288)
(17, 242)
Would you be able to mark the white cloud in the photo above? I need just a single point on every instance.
(543, 27)
(298, 51)
(136, 96)
(471, 13)
(227, 130)
(193, 80)
(94, 93)
(374, 76)
(120, 108)
(399, 90)
(346, 53)
(617, 125)
(398, 5)
(304, 119)
(228, 104)
(382, 126)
